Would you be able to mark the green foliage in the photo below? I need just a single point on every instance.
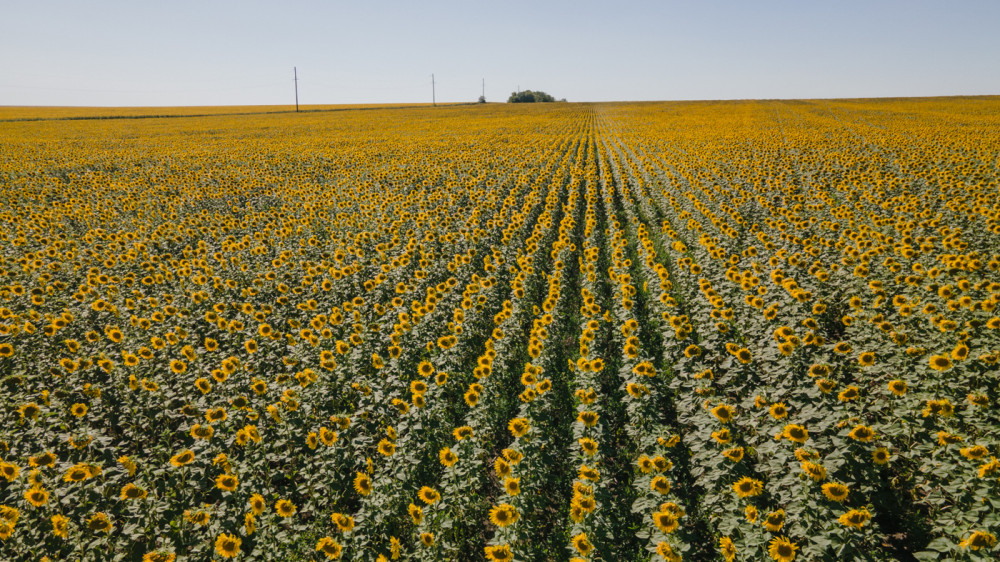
(527, 96)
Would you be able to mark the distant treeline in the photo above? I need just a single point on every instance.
(527, 96)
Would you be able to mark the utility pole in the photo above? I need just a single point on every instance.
(296, 71)
(484, 88)
(433, 92)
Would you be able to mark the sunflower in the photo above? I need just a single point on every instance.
(975, 452)
(748, 487)
(825, 385)
(6, 350)
(47, 458)
(60, 526)
(795, 432)
(990, 468)
(329, 547)
(848, 394)
(76, 473)
(636, 390)
(940, 362)
(425, 369)
(835, 491)
(518, 427)
(226, 482)
(724, 412)
(897, 387)
(942, 407)
(99, 523)
(587, 418)
(576, 512)
(727, 549)
(774, 521)
(881, 455)
(855, 518)
(215, 415)
(751, 513)
(199, 517)
(660, 484)
(428, 495)
(643, 369)
(204, 385)
(586, 504)
(386, 448)
(29, 411)
(416, 513)
(978, 540)
(227, 546)
(815, 471)
(735, 454)
(665, 521)
(362, 484)
(159, 556)
(842, 347)
(512, 486)
(132, 492)
(36, 496)
(862, 433)
(503, 515)
(10, 471)
(671, 507)
(199, 431)
(501, 467)
(177, 366)
(778, 410)
(499, 553)
(427, 538)
(744, 356)
(782, 549)
(257, 504)
(327, 436)
(447, 457)
(978, 399)
(819, 370)
(866, 359)
(666, 551)
(587, 473)
(284, 508)
(582, 544)
(588, 446)
(722, 436)
(182, 458)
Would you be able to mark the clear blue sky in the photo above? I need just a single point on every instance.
(213, 52)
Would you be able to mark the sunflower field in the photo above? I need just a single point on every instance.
(761, 330)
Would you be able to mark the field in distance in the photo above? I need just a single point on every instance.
(617, 331)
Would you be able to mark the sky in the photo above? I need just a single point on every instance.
(215, 52)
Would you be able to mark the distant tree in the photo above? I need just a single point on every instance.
(482, 99)
(528, 96)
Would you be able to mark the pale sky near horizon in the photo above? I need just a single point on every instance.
(213, 52)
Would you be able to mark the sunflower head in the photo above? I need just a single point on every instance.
(781, 549)
(835, 491)
(748, 487)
